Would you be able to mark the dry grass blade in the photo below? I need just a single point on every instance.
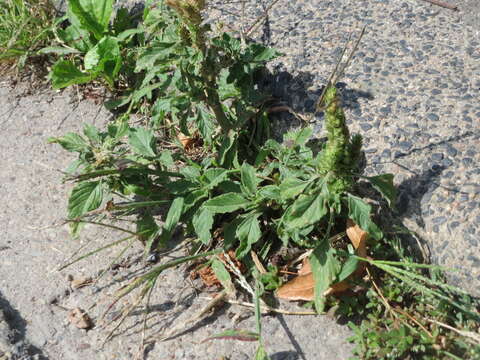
(268, 309)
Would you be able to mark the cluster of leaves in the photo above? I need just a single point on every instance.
(247, 192)
(25, 27)
(410, 312)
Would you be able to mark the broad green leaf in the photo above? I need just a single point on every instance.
(359, 211)
(192, 173)
(306, 210)
(205, 124)
(92, 133)
(153, 54)
(64, 73)
(71, 142)
(241, 335)
(76, 37)
(223, 276)
(174, 214)
(226, 203)
(263, 53)
(202, 223)
(348, 268)
(226, 152)
(270, 192)
(249, 180)
(104, 57)
(93, 15)
(248, 232)
(230, 233)
(85, 197)
(325, 268)
(173, 217)
(193, 198)
(166, 159)
(142, 141)
(181, 186)
(384, 184)
(213, 177)
(292, 187)
(124, 35)
(299, 137)
(230, 186)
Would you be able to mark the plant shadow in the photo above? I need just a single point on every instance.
(17, 332)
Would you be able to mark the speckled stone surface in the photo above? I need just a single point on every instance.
(412, 91)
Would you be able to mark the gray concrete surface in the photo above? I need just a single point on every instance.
(412, 91)
(37, 297)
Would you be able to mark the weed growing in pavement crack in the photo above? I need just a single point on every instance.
(206, 154)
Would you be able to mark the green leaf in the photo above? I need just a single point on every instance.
(230, 233)
(93, 15)
(148, 230)
(71, 142)
(270, 192)
(153, 54)
(192, 173)
(92, 133)
(205, 123)
(58, 50)
(325, 268)
(248, 232)
(299, 137)
(85, 197)
(348, 268)
(193, 198)
(359, 211)
(248, 178)
(261, 354)
(64, 73)
(125, 35)
(306, 210)
(292, 187)
(241, 335)
(173, 217)
(174, 214)
(76, 37)
(226, 203)
(227, 150)
(142, 142)
(223, 276)
(202, 223)
(384, 185)
(104, 57)
(262, 53)
(213, 177)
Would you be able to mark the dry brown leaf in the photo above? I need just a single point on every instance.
(302, 286)
(358, 237)
(299, 288)
(207, 274)
(80, 319)
(186, 141)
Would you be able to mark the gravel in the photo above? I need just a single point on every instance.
(411, 90)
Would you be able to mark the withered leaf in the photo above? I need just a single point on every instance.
(80, 319)
(302, 286)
